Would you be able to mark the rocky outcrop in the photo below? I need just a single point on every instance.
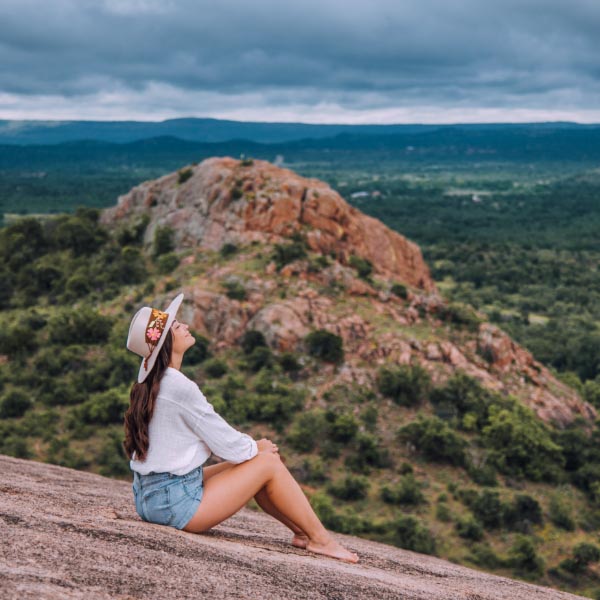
(381, 335)
(226, 200)
(552, 400)
(70, 534)
(229, 201)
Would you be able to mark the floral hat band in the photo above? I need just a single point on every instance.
(147, 333)
(154, 330)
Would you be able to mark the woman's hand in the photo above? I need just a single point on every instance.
(265, 445)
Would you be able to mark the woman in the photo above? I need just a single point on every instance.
(171, 430)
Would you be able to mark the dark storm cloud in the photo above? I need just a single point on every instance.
(358, 55)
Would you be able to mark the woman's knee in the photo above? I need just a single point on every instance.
(271, 461)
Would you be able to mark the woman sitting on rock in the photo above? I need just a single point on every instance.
(171, 430)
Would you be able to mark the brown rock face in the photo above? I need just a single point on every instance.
(552, 400)
(225, 201)
(70, 534)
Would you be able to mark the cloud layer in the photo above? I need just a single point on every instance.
(315, 61)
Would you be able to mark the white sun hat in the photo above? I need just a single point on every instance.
(147, 333)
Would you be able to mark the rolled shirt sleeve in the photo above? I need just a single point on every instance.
(222, 439)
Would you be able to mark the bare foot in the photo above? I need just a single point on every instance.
(300, 540)
(332, 549)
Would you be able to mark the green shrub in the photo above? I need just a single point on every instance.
(236, 192)
(352, 487)
(407, 491)
(591, 391)
(128, 267)
(112, 459)
(183, 175)
(284, 254)
(523, 512)
(58, 392)
(199, 352)
(311, 471)
(215, 367)
(363, 266)
(485, 475)
(270, 401)
(574, 446)
(163, 241)
(78, 286)
(586, 478)
(134, 234)
(442, 513)
(488, 509)
(252, 339)
(460, 396)
(560, 513)
(101, 409)
(406, 385)
(367, 452)
(80, 235)
(584, 553)
(460, 314)
(228, 250)
(14, 403)
(407, 532)
(523, 557)
(325, 345)
(342, 427)
(369, 417)
(18, 338)
(399, 290)
(317, 264)
(82, 326)
(259, 358)
(520, 444)
(434, 439)
(289, 362)
(15, 445)
(323, 507)
(41, 423)
(59, 453)
(469, 529)
(307, 430)
(167, 263)
(484, 556)
(235, 290)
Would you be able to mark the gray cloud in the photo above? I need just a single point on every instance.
(205, 57)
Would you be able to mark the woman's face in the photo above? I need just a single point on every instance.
(182, 338)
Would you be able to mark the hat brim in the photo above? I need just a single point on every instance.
(171, 310)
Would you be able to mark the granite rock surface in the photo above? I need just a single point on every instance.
(71, 534)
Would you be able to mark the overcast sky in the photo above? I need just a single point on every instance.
(317, 61)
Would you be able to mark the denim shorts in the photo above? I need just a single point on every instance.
(168, 499)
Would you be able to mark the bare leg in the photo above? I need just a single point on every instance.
(300, 538)
(228, 491)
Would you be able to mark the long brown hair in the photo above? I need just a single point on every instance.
(142, 398)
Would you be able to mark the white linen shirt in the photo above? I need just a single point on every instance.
(185, 429)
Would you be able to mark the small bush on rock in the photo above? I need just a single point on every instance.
(407, 385)
(325, 345)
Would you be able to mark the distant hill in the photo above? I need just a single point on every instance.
(217, 130)
(198, 130)
(351, 147)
